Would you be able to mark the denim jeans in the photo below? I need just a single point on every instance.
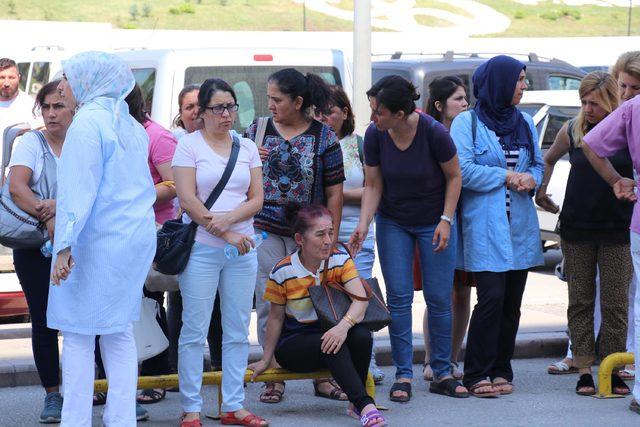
(395, 247)
(209, 271)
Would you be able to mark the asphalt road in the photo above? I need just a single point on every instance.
(539, 400)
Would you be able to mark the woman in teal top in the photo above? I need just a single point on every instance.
(501, 167)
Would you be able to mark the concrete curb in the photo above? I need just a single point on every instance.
(528, 345)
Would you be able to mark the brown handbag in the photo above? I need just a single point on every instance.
(332, 301)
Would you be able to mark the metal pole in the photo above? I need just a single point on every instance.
(304, 15)
(629, 20)
(361, 62)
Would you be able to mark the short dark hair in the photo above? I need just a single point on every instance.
(396, 93)
(135, 101)
(340, 99)
(209, 88)
(177, 121)
(7, 63)
(311, 88)
(299, 216)
(440, 90)
(48, 89)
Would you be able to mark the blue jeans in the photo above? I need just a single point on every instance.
(395, 248)
(209, 271)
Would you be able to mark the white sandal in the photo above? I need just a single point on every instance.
(561, 368)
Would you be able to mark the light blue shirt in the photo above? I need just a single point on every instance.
(104, 213)
(488, 241)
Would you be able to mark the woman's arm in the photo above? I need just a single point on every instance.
(255, 197)
(333, 194)
(164, 192)
(559, 148)
(624, 188)
(185, 178)
(272, 334)
(353, 196)
(21, 194)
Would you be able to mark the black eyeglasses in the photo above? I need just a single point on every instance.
(219, 109)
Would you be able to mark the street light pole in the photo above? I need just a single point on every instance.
(361, 61)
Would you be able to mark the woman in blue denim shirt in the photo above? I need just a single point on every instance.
(501, 167)
(412, 179)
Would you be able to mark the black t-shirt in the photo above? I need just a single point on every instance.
(414, 184)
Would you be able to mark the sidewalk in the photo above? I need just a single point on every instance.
(542, 330)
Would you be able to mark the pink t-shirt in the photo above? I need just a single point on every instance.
(162, 145)
(620, 129)
(193, 152)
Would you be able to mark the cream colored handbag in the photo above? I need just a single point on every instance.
(150, 340)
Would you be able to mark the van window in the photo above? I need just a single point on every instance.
(23, 69)
(146, 79)
(563, 83)
(250, 86)
(557, 117)
(39, 77)
(378, 73)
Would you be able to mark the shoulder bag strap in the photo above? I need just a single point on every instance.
(235, 149)
(325, 282)
(474, 125)
(261, 128)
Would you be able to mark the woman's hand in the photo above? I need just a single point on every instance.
(219, 224)
(333, 339)
(63, 266)
(243, 242)
(544, 201)
(624, 189)
(51, 226)
(264, 153)
(521, 182)
(257, 367)
(46, 209)
(357, 238)
(441, 236)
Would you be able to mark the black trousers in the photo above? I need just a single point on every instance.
(494, 325)
(33, 271)
(349, 366)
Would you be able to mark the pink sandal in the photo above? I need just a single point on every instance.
(373, 418)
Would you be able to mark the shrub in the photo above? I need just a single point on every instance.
(133, 11)
(187, 8)
(174, 11)
(519, 15)
(146, 10)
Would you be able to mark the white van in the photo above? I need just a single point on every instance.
(163, 73)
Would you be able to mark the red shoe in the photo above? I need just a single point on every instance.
(251, 420)
(192, 423)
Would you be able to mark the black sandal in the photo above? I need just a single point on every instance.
(617, 382)
(152, 395)
(99, 398)
(586, 380)
(398, 386)
(447, 387)
(336, 392)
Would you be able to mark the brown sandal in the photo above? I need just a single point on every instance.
(271, 394)
(503, 386)
(473, 390)
(335, 394)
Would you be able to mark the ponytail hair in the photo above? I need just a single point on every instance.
(312, 88)
(396, 93)
(300, 217)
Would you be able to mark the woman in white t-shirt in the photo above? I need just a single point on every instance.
(26, 167)
(198, 165)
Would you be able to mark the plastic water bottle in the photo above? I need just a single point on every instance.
(47, 249)
(231, 251)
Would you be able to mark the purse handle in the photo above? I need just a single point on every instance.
(325, 281)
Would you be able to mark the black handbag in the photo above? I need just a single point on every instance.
(175, 238)
(332, 301)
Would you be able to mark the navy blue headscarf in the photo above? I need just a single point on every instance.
(493, 85)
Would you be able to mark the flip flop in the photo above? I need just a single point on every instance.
(473, 390)
(152, 395)
(400, 386)
(270, 394)
(373, 418)
(586, 380)
(561, 368)
(447, 387)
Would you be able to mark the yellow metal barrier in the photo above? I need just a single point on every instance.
(607, 366)
(215, 379)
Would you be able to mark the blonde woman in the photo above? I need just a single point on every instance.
(594, 235)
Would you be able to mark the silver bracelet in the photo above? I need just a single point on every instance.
(446, 218)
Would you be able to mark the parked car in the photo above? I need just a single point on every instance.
(422, 69)
(550, 110)
(163, 73)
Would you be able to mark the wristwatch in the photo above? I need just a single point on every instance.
(446, 218)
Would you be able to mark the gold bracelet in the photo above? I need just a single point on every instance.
(350, 320)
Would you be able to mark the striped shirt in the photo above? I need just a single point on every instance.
(288, 285)
(512, 157)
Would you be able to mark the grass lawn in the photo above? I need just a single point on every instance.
(544, 20)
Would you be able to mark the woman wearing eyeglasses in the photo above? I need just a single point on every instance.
(198, 165)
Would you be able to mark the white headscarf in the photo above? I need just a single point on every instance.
(105, 80)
